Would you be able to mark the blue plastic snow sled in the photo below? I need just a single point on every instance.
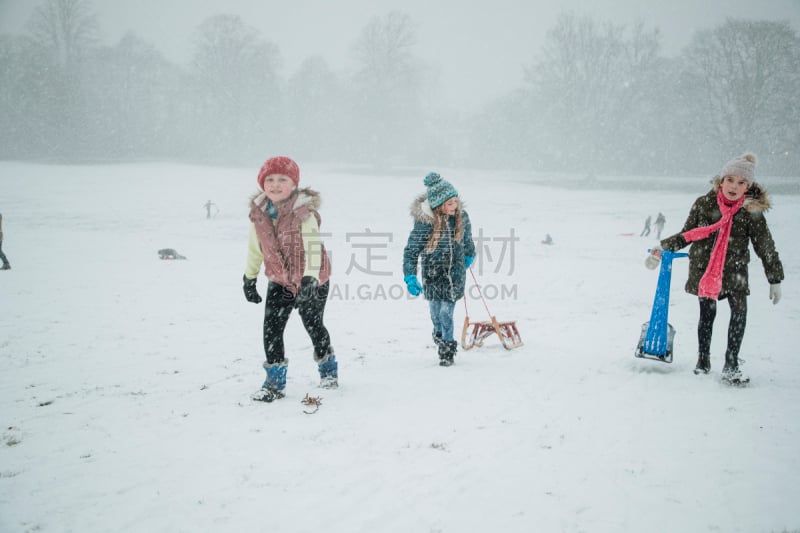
(657, 335)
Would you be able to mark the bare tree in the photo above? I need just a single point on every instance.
(744, 77)
(587, 88)
(65, 28)
(388, 102)
(384, 49)
(131, 85)
(19, 91)
(316, 122)
(238, 85)
(62, 35)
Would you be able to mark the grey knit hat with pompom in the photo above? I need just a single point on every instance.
(743, 166)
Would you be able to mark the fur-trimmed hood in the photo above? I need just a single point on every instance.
(756, 198)
(421, 210)
(306, 197)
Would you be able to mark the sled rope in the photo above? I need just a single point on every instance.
(480, 293)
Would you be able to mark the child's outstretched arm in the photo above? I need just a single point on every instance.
(254, 260)
(764, 246)
(255, 257)
(676, 242)
(416, 243)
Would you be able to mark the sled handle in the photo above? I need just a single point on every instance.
(669, 253)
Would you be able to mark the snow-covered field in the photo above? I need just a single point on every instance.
(125, 379)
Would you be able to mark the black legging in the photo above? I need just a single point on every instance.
(278, 307)
(708, 312)
(3, 257)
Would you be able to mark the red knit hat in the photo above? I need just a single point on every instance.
(279, 165)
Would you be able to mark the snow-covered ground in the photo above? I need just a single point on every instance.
(125, 379)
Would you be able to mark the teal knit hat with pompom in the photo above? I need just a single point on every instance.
(439, 190)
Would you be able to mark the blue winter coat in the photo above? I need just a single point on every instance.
(443, 270)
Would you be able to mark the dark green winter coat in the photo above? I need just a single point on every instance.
(443, 270)
(749, 226)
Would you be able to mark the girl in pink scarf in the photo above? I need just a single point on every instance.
(721, 226)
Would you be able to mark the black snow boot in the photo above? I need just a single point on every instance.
(731, 374)
(437, 338)
(442, 349)
(447, 351)
(703, 364)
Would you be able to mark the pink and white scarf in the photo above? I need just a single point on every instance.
(711, 282)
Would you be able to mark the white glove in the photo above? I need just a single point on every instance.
(775, 292)
(654, 258)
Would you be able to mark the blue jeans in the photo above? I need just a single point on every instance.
(442, 318)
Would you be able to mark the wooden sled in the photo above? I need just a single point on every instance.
(474, 333)
(506, 331)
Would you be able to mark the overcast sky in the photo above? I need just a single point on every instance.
(480, 46)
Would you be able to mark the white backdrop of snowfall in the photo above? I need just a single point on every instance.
(125, 379)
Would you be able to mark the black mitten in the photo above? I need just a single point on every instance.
(250, 291)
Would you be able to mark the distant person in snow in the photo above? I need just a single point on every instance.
(285, 239)
(660, 221)
(547, 239)
(208, 205)
(721, 225)
(646, 229)
(6, 264)
(442, 239)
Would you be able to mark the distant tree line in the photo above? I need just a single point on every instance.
(598, 98)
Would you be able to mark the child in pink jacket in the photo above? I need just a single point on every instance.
(284, 238)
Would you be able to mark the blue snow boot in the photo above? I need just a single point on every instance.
(273, 386)
(329, 372)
